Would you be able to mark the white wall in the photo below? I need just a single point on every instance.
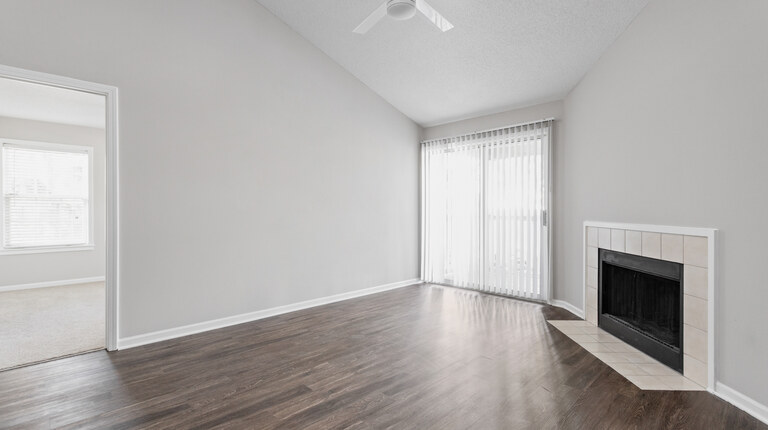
(255, 172)
(670, 128)
(21, 269)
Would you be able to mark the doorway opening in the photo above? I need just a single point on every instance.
(58, 217)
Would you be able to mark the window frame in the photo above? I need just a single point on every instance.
(57, 147)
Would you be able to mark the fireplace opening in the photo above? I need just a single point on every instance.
(640, 302)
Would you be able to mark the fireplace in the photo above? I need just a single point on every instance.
(640, 301)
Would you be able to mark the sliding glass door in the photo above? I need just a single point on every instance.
(485, 202)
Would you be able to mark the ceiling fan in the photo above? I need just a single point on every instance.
(402, 10)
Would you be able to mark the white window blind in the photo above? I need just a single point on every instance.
(46, 196)
(484, 210)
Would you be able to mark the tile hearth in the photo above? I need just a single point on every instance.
(640, 369)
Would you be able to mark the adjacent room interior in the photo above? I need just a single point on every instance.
(383, 214)
(52, 254)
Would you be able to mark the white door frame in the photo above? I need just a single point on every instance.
(112, 224)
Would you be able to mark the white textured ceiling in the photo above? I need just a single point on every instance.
(502, 54)
(19, 99)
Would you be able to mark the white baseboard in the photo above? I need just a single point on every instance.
(568, 307)
(171, 333)
(51, 284)
(741, 401)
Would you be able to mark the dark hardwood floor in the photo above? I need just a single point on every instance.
(414, 358)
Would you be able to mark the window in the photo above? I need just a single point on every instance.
(46, 195)
(485, 198)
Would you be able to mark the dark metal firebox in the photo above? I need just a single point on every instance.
(640, 301)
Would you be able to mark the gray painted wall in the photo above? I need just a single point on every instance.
(59, 266)
(255, 172)
(669, 128)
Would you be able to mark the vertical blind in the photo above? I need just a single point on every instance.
(45, 196)
(484, 210)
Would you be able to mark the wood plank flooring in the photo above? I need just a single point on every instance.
(420, 357)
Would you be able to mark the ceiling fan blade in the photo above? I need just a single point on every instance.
(372, 19)
(432, 15)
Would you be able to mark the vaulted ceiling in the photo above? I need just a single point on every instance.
(501, 54)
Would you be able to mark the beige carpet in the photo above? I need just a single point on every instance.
(45, 323)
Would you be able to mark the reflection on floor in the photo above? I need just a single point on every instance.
(640, 369)
(45, 323)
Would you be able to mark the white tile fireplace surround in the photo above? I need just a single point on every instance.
(692, 247)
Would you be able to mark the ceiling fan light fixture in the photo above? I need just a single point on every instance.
(401, 9)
